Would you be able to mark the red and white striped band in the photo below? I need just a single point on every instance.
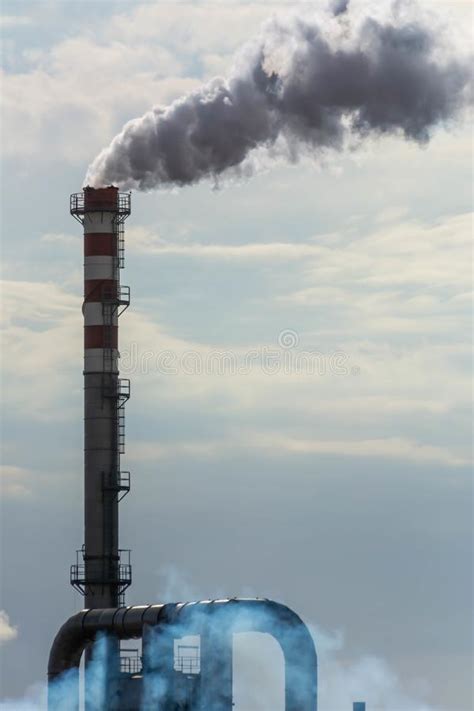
(100, 289)
(98, 244)
(100, 336)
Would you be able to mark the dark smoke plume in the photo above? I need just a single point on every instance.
(339, 7)
(302, 86)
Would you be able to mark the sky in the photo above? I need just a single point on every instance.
(299, 350)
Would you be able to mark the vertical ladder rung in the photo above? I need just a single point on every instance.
(121, 432)
(121, 245)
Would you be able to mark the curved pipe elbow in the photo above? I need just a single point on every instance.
(68, 645)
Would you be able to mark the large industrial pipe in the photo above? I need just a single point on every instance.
(216, 621)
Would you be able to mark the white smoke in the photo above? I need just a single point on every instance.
(259, 680)
(34, 699)
(307, 84)
(64, 688)
(369, 678)
(259, 686)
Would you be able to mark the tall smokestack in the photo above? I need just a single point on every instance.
(100, 573)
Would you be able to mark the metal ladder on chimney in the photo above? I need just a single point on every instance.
(117, 389)
(123, 394)
(120, 232)
(115, 300)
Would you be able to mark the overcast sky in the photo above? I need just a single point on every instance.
(343, 491)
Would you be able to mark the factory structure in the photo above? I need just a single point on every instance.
(170, 674)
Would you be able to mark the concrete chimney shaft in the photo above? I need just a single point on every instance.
(100, 572)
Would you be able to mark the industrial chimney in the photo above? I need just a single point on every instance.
(102, 571)
(164, 680)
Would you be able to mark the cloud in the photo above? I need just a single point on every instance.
(384, 448)
(394, 299)
(21, 482)
(393, 334)
(14, 481)
(279, 443)
(430, 253)
(59, 87)
(7, 630)
(147, 55)
(7, 21)
(35, 302)
(42, 347)
(189, 28)
(395, 254)
(140, 451)
(402, 277)
(143, 240)
(59, 238)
